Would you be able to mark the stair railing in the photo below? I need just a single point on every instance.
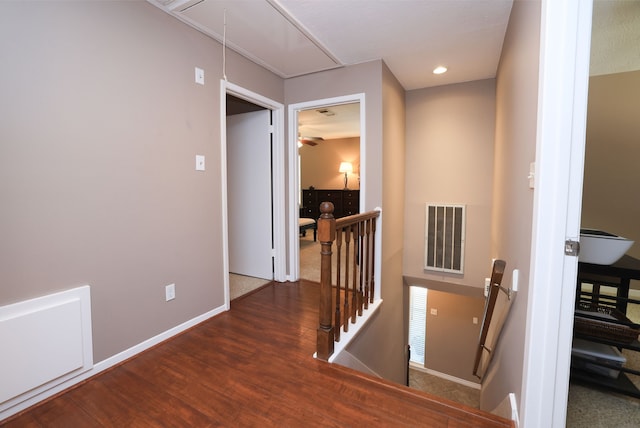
(343, 300)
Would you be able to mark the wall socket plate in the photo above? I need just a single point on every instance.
(170, 292)
(199, 162)
(199, 76)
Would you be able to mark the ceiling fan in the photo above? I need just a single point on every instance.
(310, 141)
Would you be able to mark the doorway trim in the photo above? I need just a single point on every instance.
(278, 179)
(565, 40)
(293, 167)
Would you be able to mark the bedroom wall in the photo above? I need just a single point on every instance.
(611, 176)
(319, 164)
(100, 122)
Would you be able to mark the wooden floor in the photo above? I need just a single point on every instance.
(251, 366)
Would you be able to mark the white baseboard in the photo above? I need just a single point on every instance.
(349, 360)
(508, 409)
(111, 361)
(354, 329)
(445, 376)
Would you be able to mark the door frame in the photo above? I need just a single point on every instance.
(293, 167)
(278, 180)
(562, 111)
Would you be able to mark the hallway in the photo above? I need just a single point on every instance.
(250, 366)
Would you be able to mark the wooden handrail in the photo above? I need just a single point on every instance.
(497, 273)
(354, 281)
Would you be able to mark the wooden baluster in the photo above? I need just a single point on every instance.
(338, 321)
(355, 301)
(326, 236)
(373, 258)
(343, 287)
(347, 239)
(366, 267)
(361, 259)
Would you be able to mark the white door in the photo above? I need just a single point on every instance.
(249, 194)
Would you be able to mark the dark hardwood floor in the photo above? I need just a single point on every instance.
(250, 366)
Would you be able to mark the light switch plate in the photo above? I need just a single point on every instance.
(199, 162)
(199, 76)
(170, 292)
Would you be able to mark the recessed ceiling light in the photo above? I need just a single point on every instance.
(439, 69)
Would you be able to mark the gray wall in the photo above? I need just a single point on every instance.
(451, 335)
(100, 122)
(384, 124)
(449, 159)
(516, 121)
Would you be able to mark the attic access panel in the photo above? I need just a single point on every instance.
(444, 238)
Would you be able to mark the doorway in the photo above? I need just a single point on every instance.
(252, 170)
(322, 135)
(249, 197)
(417, 323)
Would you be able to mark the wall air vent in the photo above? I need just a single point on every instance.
(444, 238)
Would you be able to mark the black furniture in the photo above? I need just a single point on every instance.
(345, 202)
(305, 224)
(619, 276)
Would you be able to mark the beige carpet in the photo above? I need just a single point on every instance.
(309, 258)
(239, 285)
(596, 408)
(444, 388)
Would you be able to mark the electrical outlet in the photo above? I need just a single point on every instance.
(170, 292)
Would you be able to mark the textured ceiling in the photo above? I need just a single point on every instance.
(411, 36)
(615, 38)
(339, 121)
(296, 37)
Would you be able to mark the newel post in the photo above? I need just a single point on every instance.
(326, 236)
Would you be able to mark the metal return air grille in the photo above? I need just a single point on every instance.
(444, 238)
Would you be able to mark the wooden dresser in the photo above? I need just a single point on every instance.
(345, 202)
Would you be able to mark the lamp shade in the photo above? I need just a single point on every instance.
(345, 167)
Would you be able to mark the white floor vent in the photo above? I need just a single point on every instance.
(444, 238)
